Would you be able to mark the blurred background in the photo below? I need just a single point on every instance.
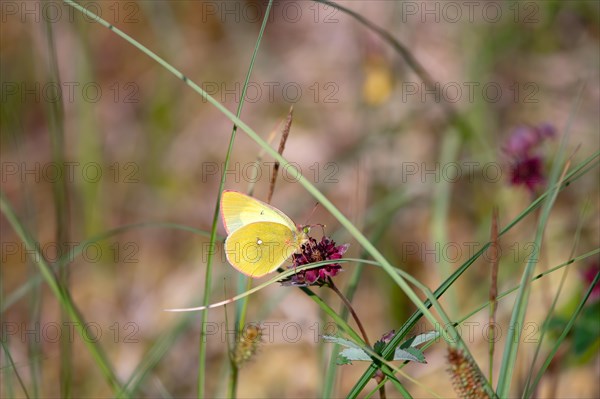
(117, 140)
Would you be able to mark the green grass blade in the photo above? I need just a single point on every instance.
(442, 193)
(520, 307)
(382, 221)
(61, 295)
(562, 337)
(550, 312)
(35, 280)
(452, 115)
(293, 171)
(153, 357)
(505, 293)
(213, 233)
(13, 366)
(61, 207)
(575, 174)
(537, 277)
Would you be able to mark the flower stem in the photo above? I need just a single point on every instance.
(378, 375)
(350, 308)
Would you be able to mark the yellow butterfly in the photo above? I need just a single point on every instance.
(260, 237)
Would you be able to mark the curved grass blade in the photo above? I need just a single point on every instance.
(294, 172)
(575, 174)
(562, 337)
(550, 311)
(35, 280)
(12, 364)
(520, 308)
(61, 295)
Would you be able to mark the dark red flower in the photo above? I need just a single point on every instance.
(311, 252)
(527, 168)
(528, 172)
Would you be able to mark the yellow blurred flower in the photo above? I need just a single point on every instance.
(378, 83)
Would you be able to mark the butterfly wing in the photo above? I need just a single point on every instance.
(259, 248)
(238, 210)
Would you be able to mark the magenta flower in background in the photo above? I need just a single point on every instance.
(526, 168)
(313, 251)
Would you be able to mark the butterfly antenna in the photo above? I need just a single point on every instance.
(310, 216)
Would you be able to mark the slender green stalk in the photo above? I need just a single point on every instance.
(562, 337)
(348, 305)
(213, 232)
(61, 204)
(499, 297)
(14, 367)
(442, 192)
(16, 132)
(388, 351)
(455, 339)
(60, 293)
(550, 312)
(381, 221)
(70, 256)
(451, 114)
(293, 171)
(539, 276)
(520, 307)
(153, 356)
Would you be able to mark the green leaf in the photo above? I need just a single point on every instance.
(587, 330)
(410, 354)
(378, 347)
(355, 354)
(342, 360)
(420, 339)
(341, 341)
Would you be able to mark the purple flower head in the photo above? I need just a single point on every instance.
(316, 251)
(526, 138)
(526, 168)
